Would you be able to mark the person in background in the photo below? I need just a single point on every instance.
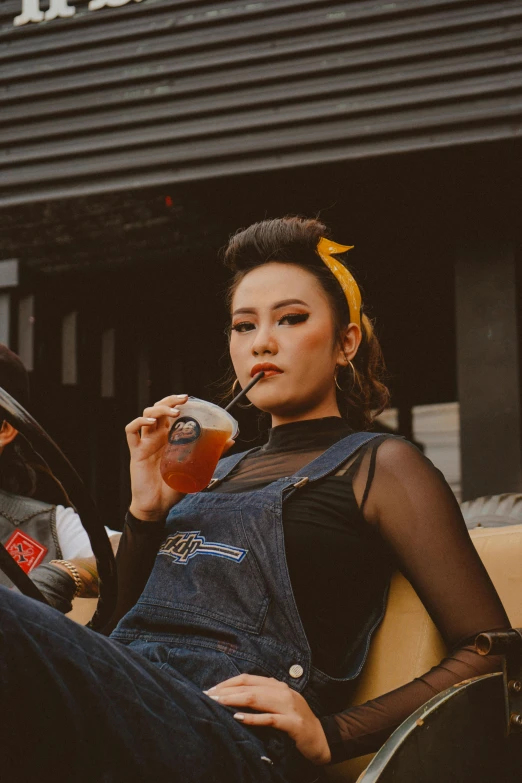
(38, 526)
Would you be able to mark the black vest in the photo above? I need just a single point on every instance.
(28, 531)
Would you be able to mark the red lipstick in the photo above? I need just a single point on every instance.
(267, 367)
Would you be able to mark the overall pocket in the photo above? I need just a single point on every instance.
(208, 574)
(202, 666)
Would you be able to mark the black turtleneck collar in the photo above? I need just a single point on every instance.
(306, 435)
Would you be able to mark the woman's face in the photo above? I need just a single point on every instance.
(282, 323)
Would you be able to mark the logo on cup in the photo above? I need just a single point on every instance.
(184, 430)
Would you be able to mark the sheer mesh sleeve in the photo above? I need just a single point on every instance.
(137, 551)
(419, 517)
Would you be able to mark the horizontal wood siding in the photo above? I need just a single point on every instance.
(167, 91)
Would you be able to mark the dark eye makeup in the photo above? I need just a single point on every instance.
(242, 326)
(294, 318)
(290, 319)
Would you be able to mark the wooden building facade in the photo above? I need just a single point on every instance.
(135, 136)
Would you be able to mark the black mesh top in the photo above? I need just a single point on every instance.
(329, 547)
(387, 507)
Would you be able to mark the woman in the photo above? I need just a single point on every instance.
(240, 654)
(37, 523)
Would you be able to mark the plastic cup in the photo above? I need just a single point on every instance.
(195, 444)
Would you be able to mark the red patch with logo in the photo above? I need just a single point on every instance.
(27, 552)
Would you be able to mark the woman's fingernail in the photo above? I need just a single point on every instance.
(210, 689)
(152, 421)
(239, 716)
(181, 396)
(175, 411)
(213, 696)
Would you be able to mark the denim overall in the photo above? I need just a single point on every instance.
(219, 600)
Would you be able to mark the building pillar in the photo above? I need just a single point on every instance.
(488, 369)
(8, 281)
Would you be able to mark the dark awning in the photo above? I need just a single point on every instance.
(170, 91)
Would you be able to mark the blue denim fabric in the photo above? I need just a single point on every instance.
(219, 599)
(78, 706)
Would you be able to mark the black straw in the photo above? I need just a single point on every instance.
(247, 388)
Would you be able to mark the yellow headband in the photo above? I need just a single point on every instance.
(325, 248)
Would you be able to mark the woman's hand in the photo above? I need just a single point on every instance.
(278, 706)
(147, 437)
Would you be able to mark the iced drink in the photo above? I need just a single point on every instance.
(195, 444)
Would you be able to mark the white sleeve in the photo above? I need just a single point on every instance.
(73, 539)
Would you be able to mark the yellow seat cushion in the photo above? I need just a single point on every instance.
(407, 642)
(82, 610)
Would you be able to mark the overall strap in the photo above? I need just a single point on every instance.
(332, 459)
(328, 462)
(227, 465)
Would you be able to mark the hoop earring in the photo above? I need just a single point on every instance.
(250, 405)
(337, 372)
